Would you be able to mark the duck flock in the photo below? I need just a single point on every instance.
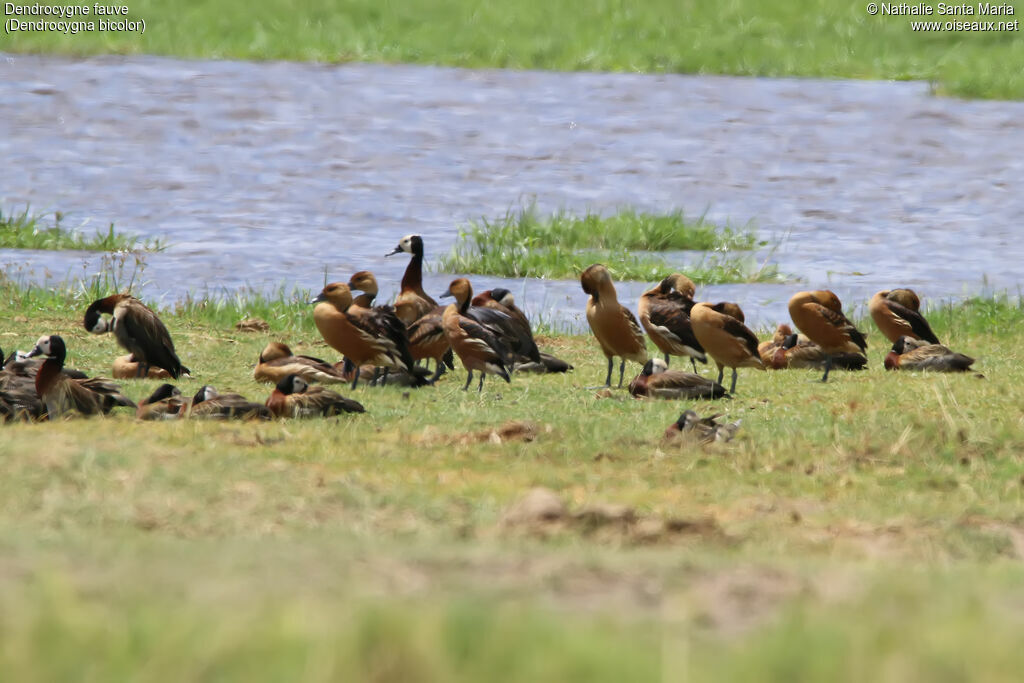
(395, 344)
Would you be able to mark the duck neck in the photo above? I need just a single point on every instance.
(47, 375)
(413, 278)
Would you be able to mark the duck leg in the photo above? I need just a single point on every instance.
(384, 377)
(622, 371)
(355, 380)
(481, 386)
(693, 362)
(666, 359)
(437, 372)
(828, 366)
(721, 372)
(732, 389)
(469, 378)
(608, 379)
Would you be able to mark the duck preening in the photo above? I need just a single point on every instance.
(412, 302)
(476, 345)
(726, 339)
(62, 394)
(365, 336)
(665, 314)
(657, 381)
(896, 313)
(138, 330)
(819, 315)
(517, 339)
(277, 361)
(614, 326)
(210, 404)
(548, 362)
(706, 429)
(293, 397)
(908, 353)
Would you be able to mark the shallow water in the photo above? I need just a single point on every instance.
(263, 174)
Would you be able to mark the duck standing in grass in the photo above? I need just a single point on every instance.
(293, 397)
(412, 302)
(916, 354)
(138, 330)
(62, 394)
(657, 381)
(478, 347)
(896, 314)
(501, 299)
(614, 325)
(819, 315)
(665, 314)
(365, 336)
(727, 340)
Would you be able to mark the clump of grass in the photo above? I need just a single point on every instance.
(26, 230)
(525, 244)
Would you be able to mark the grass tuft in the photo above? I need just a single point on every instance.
(28, 231)
(525, 244)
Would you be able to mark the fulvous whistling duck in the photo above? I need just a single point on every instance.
(657, 381)
(427, 341)
(614, 325)
(277, 362)
(476, 346)
(363, 281)
(210, 404)
(138, 330)
(665, 314)
(819, 315)
(293, 397)
(412, 302)
(547, 363)
(727, 340)
(915, 354)
(165, 403)
(706, 429)
(897, 320)
(730, 308)
(61, 394)
(126, 367)
(366, 336)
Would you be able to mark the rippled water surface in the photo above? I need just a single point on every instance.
(262, 174)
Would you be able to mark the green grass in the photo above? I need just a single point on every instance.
(819, 38)
(30, 231)
(867, 529)
(525, 244)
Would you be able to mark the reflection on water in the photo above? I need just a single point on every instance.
(262, 174)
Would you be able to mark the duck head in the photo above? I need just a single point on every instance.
(51, 346)
(336, 293)
(410, 244)
(273, 351)
(292, 384)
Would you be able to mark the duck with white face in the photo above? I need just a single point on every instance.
(62, 394)
(412, 301)
(294, 397)
(210, 404)
(138, 329)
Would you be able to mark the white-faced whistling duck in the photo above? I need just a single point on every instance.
(126, 367)
(727, 340)
(412, 302)
(210, 404)
(62, 394)
(365, 336)
(477, 346)
(819, 315)
(706, 429)
(614, 325)
(916, 354)
(790, 350)
(657, 381)
(277, 362)
(293, 397)
(18, 397)
(665, 313)
(138, 330)
(165, 403)
(896, 320)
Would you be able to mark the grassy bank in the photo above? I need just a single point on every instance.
(865, 529)
(819, 38)
(26, 230)
(523, 243)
